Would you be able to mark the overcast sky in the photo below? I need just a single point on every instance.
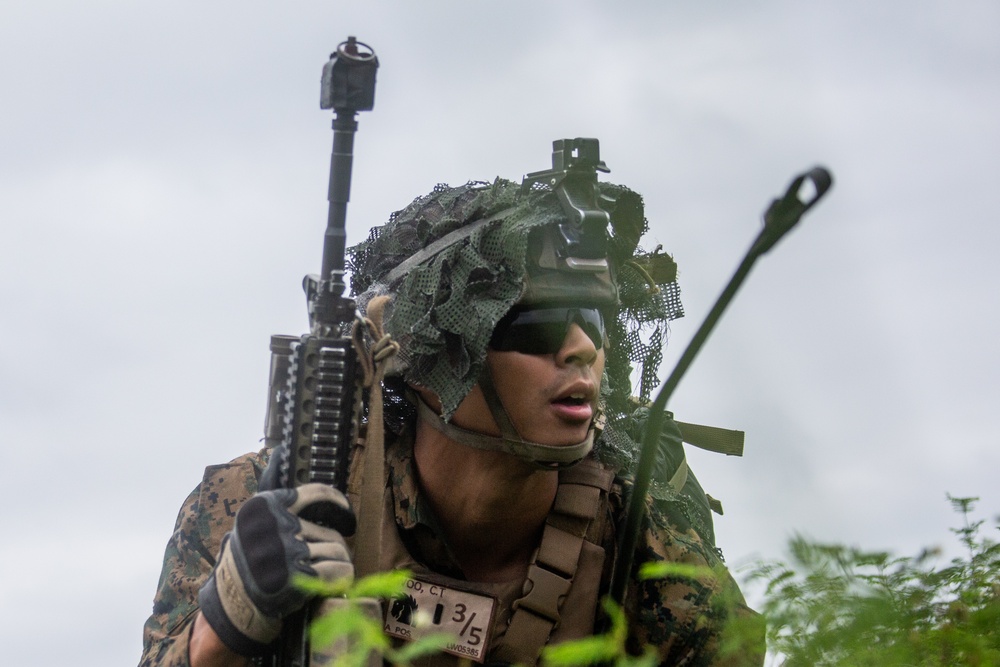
(163, 171)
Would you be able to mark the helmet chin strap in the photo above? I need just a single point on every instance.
(544, 457)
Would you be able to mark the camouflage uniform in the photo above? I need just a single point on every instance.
(682, 617)
(206, 516)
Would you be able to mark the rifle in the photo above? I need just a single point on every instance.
(314, 390)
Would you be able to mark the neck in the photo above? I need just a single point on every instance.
(492, 506)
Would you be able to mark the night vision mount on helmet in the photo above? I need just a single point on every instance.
(456, 260)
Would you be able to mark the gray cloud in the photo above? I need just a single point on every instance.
(162, 191)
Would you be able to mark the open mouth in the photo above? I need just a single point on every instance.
(572, 400)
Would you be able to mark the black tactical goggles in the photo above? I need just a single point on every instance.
(543, 330)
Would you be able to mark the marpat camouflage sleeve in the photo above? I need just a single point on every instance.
(686, 614)
(206, 516)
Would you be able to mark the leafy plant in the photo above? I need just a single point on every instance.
(832, 605)
(607, 648)
(837, 605)
(740, 637)
(354, 624)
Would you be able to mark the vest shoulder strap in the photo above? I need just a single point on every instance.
(567, 566)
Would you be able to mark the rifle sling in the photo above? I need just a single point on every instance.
(370, 516)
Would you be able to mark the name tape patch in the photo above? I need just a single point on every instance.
(429, 608)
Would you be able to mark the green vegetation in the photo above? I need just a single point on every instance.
(607, 648)
(358, 632)
(830, 605)
(836, 605)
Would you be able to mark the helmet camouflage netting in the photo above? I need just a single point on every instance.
(444, 309)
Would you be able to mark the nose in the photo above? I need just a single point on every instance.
(576, 348)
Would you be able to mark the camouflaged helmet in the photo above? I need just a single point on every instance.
(456, 260)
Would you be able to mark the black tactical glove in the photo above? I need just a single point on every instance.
(251, 589)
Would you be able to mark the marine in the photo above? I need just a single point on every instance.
(518, 314)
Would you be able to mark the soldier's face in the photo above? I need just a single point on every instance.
(551, 398)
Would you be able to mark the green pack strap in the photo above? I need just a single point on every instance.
(680, 476)
(713, 438)
(679, 479)
(710, 438)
